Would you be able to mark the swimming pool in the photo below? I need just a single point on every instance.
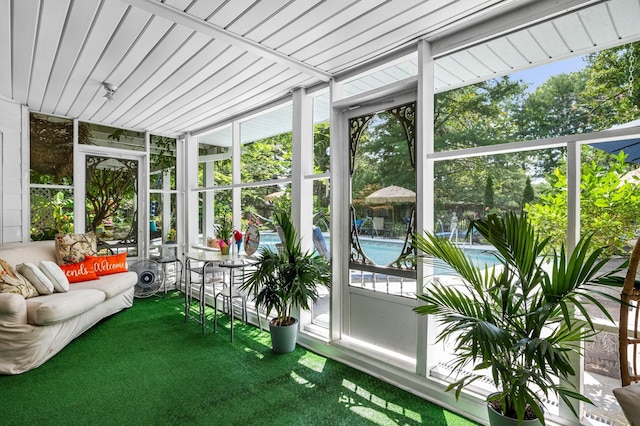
(385, 251)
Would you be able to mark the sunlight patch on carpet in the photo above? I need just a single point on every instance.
(301, 380)
(313, 362)
(361, 393)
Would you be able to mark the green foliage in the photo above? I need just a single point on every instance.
(223, 222)
(515, 319)
(606, 95)
(287, 278)
(608, 206)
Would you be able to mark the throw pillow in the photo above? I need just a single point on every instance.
(106, 265)
(12, 282)
(628, 398)
(73, 248)
(36, 277)
(56, 275)
(81, 271)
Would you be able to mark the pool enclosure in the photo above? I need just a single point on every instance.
(211, 113)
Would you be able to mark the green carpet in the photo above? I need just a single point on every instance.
(146, 366)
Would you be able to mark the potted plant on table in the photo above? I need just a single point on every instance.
(516, 319)
(223, 229)
(284, 279)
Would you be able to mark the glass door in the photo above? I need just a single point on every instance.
(112, 202)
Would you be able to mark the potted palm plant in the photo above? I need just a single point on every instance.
(284, 279)
(516, 320)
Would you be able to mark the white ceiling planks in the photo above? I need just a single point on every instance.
(146, 70)
(331, 32)
(27, 14)
(6, 78)
(184, 65)
(228, 12)
(259, 13)
(46, 48)
(272, 83)
(223, 61)
(106, 22)
(77, 26)
(167, 79)
(398, 24)
(221, 81)
(279, 22)
(625, 16)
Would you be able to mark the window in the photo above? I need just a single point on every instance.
(51, 176)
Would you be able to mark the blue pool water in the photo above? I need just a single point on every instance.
(384, 251)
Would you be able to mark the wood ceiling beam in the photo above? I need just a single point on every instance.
(196, 24)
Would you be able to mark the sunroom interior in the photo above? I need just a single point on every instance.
(229, 110)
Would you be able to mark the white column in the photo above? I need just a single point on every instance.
(181, 218)
(340, 202)
(573, 195)
(191, 197)
(573, 235)
(236, 175)
(302, 166)
(424, 183)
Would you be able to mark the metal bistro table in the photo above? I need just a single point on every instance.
(232, 265)
(207, 262)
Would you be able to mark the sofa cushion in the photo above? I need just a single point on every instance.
(12, 282)
(81, 271)
(57, 307)
(56, 275)
(33, 252)
(105, 265)
(36, 277)
(111, 285)
(73, 248)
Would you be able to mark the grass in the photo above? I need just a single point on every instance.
(146, 366)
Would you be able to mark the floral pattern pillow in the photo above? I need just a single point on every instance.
(13, 282)
(73, 248)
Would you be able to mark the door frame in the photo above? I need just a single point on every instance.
(80, 175)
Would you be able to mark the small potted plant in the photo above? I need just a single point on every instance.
(172, 236)
(223, 229)
(284, 279)
(516, 320)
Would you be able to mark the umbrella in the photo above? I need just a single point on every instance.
(274, 196)
(631, 147)
(391, 194)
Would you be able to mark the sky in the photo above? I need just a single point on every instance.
(538, 75)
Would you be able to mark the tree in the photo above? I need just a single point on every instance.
(607, 97)
(528, 194)
(488, 194)
(553, 110)
(477, 115)
(608, 206)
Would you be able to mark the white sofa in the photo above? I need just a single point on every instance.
(35, 329)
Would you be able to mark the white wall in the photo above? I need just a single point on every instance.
(11, 179)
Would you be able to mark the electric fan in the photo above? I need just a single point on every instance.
(150, 277)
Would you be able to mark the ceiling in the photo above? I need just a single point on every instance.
(184, 65)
